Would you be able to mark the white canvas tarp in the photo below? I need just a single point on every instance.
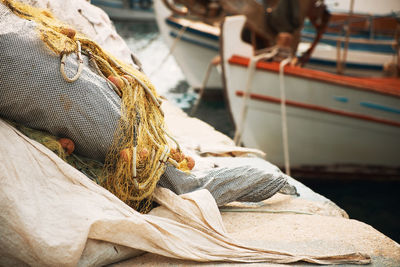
(50, 212)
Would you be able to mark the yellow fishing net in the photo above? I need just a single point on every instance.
(140, 148)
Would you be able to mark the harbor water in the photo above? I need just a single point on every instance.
(375, 202)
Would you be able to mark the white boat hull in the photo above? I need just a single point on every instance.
(116, 11)
(193, 52)
(195, 49)
(384, 7)
(328, 124)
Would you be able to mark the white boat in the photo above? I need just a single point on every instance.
(127, 10)
(332, 120)
(364, 6)
(193, 44)
(370, 28)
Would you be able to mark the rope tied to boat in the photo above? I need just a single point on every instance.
(246, 95)
(271, 53)
(285, 139)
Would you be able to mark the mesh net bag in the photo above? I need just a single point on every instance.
(246, 179)
(59, 81)
(34, 93)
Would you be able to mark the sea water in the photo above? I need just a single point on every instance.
(373, 202)
(159, 65)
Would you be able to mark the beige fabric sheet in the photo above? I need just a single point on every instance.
(51, 215)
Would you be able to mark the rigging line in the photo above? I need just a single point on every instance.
(284, 115)
(203, 86)
(246, 95)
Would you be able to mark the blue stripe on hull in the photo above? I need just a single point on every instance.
(342, 99)
(380, 107)
(108, 3)
(196, 42)
(120, 5)
(191, 30)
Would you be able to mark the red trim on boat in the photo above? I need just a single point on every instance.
(321, 109)
(388, 86)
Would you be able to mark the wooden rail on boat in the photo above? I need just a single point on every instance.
(388, 86)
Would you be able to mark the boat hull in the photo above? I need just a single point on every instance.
(328, 123)
(193, 50)
(117, 10)
(199, 44)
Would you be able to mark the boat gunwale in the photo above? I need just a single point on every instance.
(381, 85)
(197, 27)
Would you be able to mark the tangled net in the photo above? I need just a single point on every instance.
(140, 149)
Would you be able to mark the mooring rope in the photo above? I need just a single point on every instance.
(285, 138)
(246, 95)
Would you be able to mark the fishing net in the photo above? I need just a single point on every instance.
(110, 113)
(108, 108)
(91, 168)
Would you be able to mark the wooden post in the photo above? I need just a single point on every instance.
(338, 56)
(346, 44)
(397, 45)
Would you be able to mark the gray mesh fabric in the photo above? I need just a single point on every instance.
(251, 180)
(33, 92)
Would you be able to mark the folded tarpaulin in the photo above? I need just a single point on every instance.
(53, 215)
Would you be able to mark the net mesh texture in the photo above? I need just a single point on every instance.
(111, 111)
(126, 132)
